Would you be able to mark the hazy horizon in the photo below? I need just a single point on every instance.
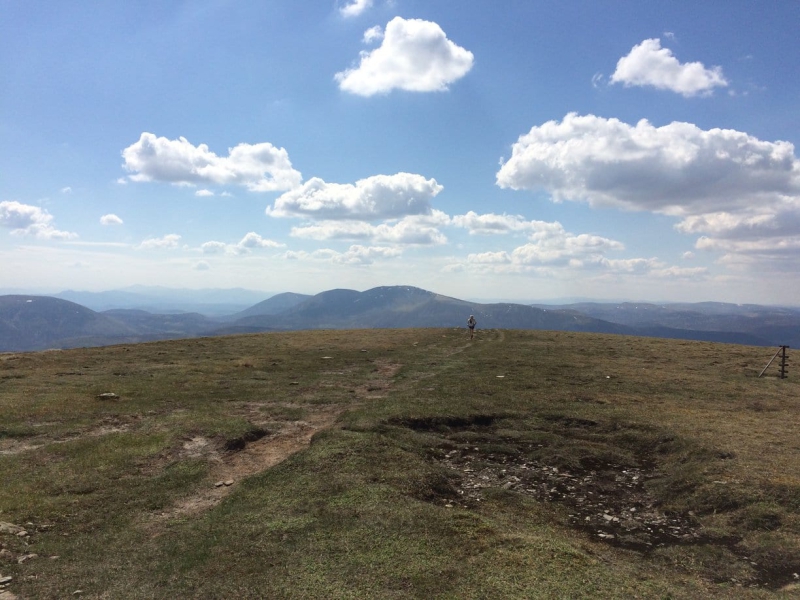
(476, 299)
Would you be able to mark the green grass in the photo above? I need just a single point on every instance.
(363, 511)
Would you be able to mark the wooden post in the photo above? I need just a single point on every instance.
(783, 362)
(769, 363)
(782, 352)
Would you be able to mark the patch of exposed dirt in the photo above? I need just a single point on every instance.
(10, 446)
(243, 458)
(14, 446)
(609, 502)
(238, 459)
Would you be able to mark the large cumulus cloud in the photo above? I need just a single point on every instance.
(376, 197)
(258, 167)
(676, 169)
(723, 184)
(414, 55)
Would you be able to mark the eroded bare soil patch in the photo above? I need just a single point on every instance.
(609, 502)
(266, 447)
(10, 446)
(237, 459)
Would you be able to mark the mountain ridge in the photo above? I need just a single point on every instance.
(29, 323)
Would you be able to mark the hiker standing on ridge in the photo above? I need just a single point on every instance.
(471, 322)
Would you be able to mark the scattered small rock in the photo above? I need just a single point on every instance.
(219, 484)
(10, 528)
(5, 580)
(228, 482)
(26, 557)
(107, 396)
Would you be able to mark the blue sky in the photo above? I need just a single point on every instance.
(517, 150)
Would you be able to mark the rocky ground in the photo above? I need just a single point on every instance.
(609, 502)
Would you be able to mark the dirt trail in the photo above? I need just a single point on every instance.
(11, 446)
(258, 456)
(229, 469)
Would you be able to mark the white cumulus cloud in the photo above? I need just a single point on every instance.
(249, 242)
(549, 245)
(373, 198)
(563, 249)
(690, 273)
(25, 219)
(740, 193)
(356, 255)
(253, 240)
(419, 230)
(490, 223)
(414, 55)
(364, 255)
(648, 64)
(213, 247)
(258, 167)
(676, 169)
(110, 219)
(373, 34)
(355, 8)
(168, 242)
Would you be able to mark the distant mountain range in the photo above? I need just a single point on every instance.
(157, 299)
(40, 322)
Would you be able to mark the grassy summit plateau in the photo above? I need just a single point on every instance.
(405, 463)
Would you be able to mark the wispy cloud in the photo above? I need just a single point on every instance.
(355, 7)
(168, 242)
(356, 255)
(249, 242)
